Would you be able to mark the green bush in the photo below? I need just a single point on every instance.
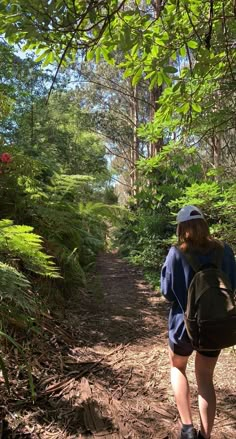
(175, 177)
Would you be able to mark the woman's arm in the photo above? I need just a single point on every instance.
(229, 265)
(167, 277)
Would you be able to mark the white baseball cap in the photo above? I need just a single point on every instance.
(189, 213)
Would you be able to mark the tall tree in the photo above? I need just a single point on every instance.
(117, 110)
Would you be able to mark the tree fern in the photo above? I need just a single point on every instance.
(65, 186)
(73, 229)
(108, 211)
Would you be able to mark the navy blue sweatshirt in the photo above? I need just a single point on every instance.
(176, 276)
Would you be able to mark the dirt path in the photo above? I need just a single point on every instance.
(111, 378)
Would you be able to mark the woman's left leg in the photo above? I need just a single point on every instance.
(180, 386)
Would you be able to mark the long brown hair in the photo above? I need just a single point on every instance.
(195, 234)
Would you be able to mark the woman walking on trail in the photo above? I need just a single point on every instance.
(177, 274)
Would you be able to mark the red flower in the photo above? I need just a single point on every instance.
(5, 157)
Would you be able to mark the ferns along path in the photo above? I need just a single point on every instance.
(102, 368)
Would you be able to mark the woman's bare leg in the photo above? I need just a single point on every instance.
(204, 369)
(180, 386)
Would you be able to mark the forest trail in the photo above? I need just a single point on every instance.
(108, 375)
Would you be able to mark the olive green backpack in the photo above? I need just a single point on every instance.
(210, 316)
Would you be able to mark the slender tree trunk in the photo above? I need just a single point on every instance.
(156, 92)
(134, 154)
(32, 124)
(216, 150)
(216, 143)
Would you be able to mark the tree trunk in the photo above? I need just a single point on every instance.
(155, 94)
(134, 153)
(32, 124)
(216, 150)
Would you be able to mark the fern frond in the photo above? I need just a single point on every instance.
(63, 185)
(69, 262)
(20, 241)
(107, 211)
(14, 287)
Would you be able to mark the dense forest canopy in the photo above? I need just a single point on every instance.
(128, 101)
(177, 56)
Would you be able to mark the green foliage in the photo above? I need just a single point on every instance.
(74, 230)
(21, 255)
(73, 227)
(19, 242)
(14, 287)
(41, 186)
(72, 18)
(180, 46)
(140, 237)
(204, 195)
(174, 180)
(53, 219)
(19, 305)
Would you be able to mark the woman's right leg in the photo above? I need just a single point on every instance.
(204, 369)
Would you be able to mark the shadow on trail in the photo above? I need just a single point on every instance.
(122, 307)
(7, 433)
(54, 415)
(226, 407)
(73, 420)
(65, 413)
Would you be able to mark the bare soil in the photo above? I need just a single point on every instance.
(102, 369)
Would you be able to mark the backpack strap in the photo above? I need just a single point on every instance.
(218, 254)
(216, 258)
(192, 261)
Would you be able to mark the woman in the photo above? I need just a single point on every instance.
(193, 235)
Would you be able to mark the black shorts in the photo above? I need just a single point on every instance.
(186, 349)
